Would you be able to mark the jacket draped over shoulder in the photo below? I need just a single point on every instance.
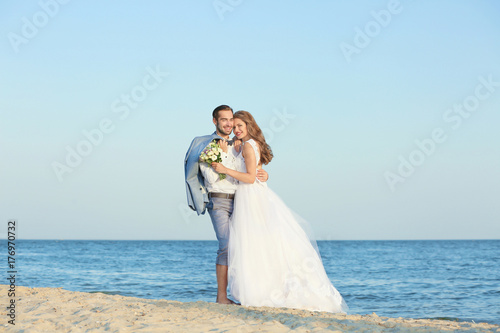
(197, 195)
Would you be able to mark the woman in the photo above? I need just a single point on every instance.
(272, 261)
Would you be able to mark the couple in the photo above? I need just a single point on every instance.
(264, 256)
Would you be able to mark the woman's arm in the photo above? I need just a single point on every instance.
(250, 163)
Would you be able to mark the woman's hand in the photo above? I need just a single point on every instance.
(237, 145)
(218, 167)
(223, 145)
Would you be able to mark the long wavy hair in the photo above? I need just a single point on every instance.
(266, 154)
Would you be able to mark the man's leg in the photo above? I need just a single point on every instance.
(221, 271)
(220, 211)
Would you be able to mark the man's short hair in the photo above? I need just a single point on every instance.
(215, 114)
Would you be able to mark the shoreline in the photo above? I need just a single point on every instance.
(56, 309)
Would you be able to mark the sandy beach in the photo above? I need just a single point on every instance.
(58, 310)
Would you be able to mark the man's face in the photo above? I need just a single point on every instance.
(224, 123)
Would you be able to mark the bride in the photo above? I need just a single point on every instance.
(272, 261)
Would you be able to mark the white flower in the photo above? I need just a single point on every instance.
(214, 158)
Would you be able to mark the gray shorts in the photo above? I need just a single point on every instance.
(220, 210)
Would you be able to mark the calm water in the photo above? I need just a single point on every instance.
(417, 279)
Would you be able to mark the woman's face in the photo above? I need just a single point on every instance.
(240, 129)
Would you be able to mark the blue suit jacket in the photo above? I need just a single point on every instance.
(197, 195)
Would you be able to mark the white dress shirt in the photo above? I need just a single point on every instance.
(212, 181)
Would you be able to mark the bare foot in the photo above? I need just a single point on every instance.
(225, 300)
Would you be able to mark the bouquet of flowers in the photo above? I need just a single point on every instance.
(212, 153)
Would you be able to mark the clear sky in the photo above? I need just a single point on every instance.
(383, 115)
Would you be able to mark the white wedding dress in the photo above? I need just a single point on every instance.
(272, 261)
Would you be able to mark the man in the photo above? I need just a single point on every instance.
(206, 191)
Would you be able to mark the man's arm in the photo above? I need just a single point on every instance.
(208, 173)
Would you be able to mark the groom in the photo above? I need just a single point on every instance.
(205, 191)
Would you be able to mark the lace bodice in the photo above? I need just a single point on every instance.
(240, 160)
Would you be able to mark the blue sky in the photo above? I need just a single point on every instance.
(343, 126)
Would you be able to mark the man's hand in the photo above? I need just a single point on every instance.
(262, 175)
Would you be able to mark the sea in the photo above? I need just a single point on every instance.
(448, 279)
